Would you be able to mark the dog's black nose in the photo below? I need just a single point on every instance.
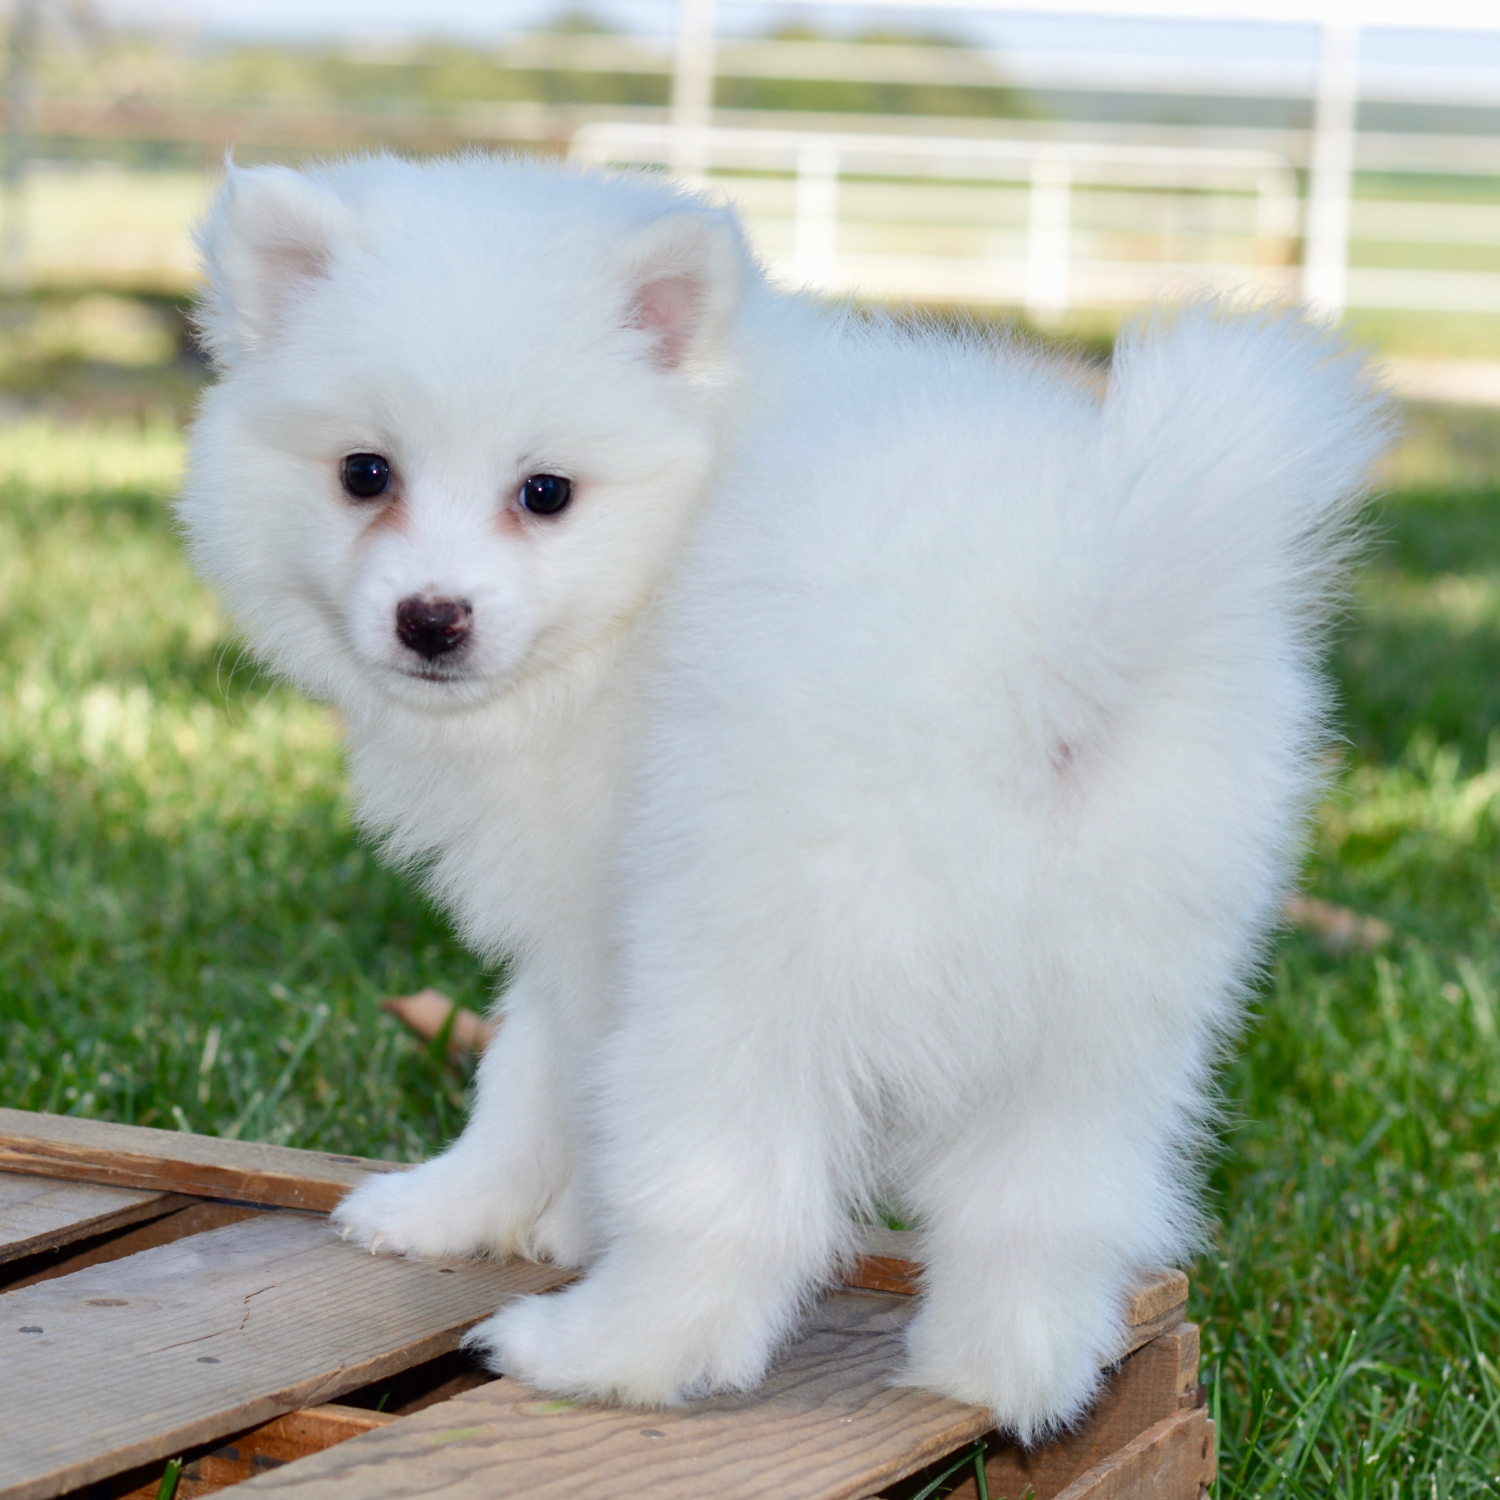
(433, 627)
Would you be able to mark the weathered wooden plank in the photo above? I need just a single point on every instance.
(138, 1156)
(196, 1216)
(148, 1356)
(1151, 1385)
(37, 1214)
(1138, 1335)
(827, 1423)
(1172, 1461)
(1157, 1293)
(889, 1260)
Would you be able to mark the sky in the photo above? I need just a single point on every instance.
(484, 20)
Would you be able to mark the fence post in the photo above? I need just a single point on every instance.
(1277, 223)
(1048, 234)
(692, 89)
(1325, 254)
(816, 229)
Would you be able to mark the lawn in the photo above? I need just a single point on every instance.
(192, 935)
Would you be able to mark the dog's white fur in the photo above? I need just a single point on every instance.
(882, 775)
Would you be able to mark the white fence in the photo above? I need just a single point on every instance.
(960, 219)
(1056, 213)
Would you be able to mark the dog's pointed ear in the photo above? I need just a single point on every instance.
(685, 277)
(269, 234)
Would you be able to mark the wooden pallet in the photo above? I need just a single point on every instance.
(166, 1295)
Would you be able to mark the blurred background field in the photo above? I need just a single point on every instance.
(193, 935)
(954, 153)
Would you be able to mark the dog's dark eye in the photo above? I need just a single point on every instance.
(546, 494)
(366, 475)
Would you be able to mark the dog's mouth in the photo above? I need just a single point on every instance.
(433, 687)
(431, 671)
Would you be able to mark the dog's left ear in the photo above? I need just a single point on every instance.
(270, 234)
(685, 277)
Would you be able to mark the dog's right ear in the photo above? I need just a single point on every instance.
(685, 277)
(269, 234)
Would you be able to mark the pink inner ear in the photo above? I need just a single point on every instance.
(286, 267)
(289, 261)
(669, 309)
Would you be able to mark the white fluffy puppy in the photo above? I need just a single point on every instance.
(900, 822)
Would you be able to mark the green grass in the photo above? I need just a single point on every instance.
(191, 934)
(1351, 1305)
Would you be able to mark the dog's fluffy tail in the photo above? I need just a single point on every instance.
(1234, 453)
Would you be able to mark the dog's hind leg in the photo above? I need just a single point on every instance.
(1037, 1215)
(504, 1187)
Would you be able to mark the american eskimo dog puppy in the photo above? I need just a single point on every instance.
(881, 757)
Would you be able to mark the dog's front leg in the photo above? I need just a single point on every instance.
(505, 1186)
(712, 1165)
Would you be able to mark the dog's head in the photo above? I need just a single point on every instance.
(464, 413)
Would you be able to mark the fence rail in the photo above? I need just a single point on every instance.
(1044, 223)
(1308, 217)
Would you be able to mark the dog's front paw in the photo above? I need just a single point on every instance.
(617, 1343)
(557, 1343)
(438, 1211)
(406, 1213)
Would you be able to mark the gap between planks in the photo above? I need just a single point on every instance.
(280, 1441)
(37, 1213)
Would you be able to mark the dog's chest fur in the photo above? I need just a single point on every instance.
(515, 805)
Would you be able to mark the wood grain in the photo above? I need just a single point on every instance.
(148, 1356)
(123, 1377)
(827, 1423)
(1173, 1460)
(137, 1156)
(37, 1214)
(1157, 1292)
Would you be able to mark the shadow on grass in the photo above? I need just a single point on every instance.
(1420, 651)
